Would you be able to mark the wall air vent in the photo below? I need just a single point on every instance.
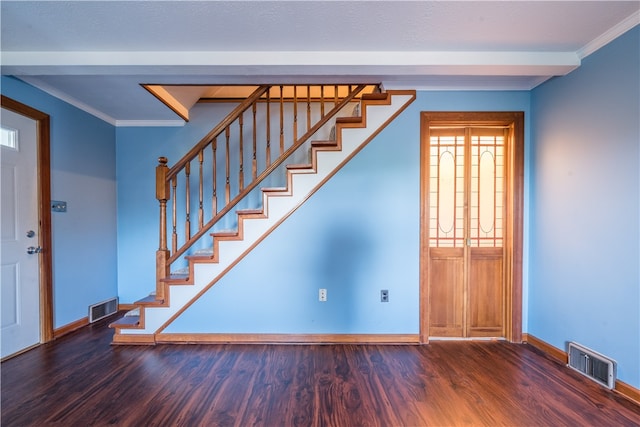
(593, 365)
(102, 309)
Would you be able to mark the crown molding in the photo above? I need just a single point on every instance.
(37, 83)
(609, 35)
(537, 82)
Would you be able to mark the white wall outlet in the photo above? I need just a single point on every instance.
(322, 295)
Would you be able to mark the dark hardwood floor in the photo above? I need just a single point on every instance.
(81, 380)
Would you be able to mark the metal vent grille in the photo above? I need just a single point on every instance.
(102, 309)
(592, 364)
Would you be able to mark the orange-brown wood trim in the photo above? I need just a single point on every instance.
(621, 387)
(514, 326)
(133, 339)
(149, 89)
(412, 93)
(174, 338)
(628, 391)
(44, 211)
(515, 211)
(424, 234)
(546, 348)
(64, 330)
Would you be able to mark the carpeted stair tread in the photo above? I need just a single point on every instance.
(300, 166)
(150, 300)
(126, 322)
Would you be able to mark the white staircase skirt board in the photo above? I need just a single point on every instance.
(277, 208)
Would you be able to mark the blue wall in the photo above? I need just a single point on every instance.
(137, 151)
(357, 235)
(584, 282)
(83, 175)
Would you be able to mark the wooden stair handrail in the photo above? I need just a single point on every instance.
(233, 202)
(227, 121)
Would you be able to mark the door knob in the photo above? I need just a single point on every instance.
(34, 250)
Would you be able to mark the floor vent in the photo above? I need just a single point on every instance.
(593, 365)
(102, 309)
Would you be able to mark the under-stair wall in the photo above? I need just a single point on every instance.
(335, 236)
(325, 159)
(344, 239)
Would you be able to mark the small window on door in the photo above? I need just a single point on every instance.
(9, 138)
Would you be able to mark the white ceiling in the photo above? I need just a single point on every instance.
(95, 54)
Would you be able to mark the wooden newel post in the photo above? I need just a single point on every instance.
(162, 255)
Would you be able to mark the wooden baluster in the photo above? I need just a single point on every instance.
(162, 195)
(200, 190)
(308, 108)
(295, 114)
(214, 199)
(227, 189)
(268, 149)
(254, 160)
(281, 121)
(187, 222)
(335, 95)
(321, 101)
(174, 231)
(241, 156)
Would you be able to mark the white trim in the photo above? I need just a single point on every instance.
(92, 62)
(479, 86)
(537, 82)
(39, 84)
(609, 35)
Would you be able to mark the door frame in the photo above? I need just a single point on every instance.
(43, 130)
(514, 211)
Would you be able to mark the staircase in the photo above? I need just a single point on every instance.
(176, 292)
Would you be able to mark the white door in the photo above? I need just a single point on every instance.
(19, 218)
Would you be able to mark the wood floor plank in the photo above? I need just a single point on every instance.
(80, 379)
(301, 409)
(270, 390)
(401, 407)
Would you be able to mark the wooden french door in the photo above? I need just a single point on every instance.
(470, 178)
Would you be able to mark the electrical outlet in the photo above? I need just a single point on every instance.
(384, 295)
(322, 295)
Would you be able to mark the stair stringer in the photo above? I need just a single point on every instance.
(278, 205)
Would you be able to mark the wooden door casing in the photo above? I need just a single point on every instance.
(491, 292)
